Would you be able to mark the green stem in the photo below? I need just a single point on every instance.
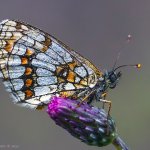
(119, 144)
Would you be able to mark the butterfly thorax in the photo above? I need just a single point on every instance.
(108, 81)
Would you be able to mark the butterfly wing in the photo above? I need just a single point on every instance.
(36, 66)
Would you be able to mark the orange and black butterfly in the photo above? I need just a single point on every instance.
(36, 66)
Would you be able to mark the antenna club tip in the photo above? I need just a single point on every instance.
(138, 66)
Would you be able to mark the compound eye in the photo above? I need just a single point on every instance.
(113, 78)
(113, 86)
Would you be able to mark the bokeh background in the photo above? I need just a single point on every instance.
(97, 29)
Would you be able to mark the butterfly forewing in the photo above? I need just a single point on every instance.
(36, 66)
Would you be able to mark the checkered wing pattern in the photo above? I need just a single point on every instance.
(35, 66)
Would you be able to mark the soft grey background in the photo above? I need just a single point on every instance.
(97, 29)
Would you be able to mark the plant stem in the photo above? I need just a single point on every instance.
(119, 144)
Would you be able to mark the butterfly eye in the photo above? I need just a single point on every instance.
(113, 78)
(112, 86)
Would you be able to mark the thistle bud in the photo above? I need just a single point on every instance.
(89, 124)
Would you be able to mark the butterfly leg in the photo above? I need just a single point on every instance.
(104, 97)
(85, 98)
(109, 108)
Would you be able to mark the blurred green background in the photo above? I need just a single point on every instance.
(97, 29)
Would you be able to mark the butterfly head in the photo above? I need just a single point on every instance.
(112, 77)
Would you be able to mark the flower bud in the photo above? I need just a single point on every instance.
(87, 123)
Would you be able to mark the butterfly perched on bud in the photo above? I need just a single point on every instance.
(36, 66)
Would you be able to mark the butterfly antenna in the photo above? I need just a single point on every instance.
(118, 56)
(128, 39)
(138, 66)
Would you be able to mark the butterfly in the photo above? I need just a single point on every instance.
(35, 66)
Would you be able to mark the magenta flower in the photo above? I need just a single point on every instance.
(87, 123)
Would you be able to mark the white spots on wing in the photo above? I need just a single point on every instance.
(4, 28)
(17, 35)
(17, 84)
(61, 86)
(10, 23)
(5, 72)
(69, 86)
(8, 85)
(24, 27)
(53, 88)
(11, 28)
(27, 41)
(15, 98)
(8, 34)
(1, 75)
(3, 58)
(43, 72)
(33, 101)
(38, 45)
(4, 21)
(51, 53)
(5, 35)
(92, 80)
(32, 33)
(46, 58)
(66, 56)
(40, 37)
(77, 79)
(65, 73)
(45, 98)
(8, 28)
(2, 43)
(16, 72)
(3, 62)
(21, 95)
(54, 55)
(19, 49)
(3, 52)
(35, 34)
(42, 90)
(44, 65)
(80, 71)
(90, 71)
(14, 60)
(30, 41)
(46, 80)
